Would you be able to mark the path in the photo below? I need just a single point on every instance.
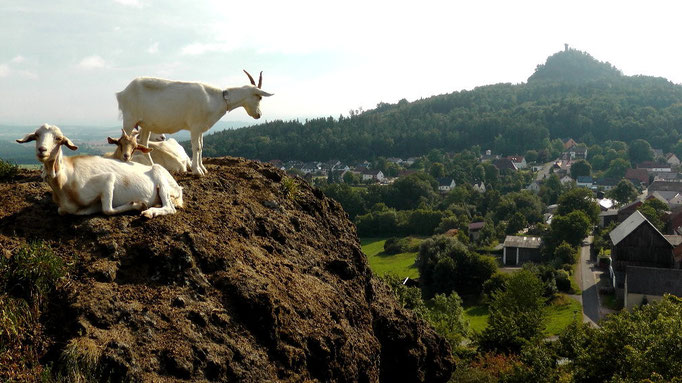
(590, 297)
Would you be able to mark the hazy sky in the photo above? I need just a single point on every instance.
(62, 61)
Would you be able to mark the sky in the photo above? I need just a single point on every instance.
(62, 62)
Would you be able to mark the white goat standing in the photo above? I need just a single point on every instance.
(89, 184)
(163, 106)
(169, 154)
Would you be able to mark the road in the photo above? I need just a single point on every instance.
(544, 172)
(590, 295)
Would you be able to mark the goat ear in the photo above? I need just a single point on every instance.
(112, 141)
(66, 142)
(27, 138)
(250, 78)
(264, 93)
(260, 79)
(143, 149)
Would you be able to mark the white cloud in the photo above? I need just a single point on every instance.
(4, 70)
(18, 59)
(154, 48)
(130, 3)
(92, 62)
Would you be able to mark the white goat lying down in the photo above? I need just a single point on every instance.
(169, 154)
(163, 106)
(91, 184)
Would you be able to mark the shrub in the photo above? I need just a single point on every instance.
(7, 170)
(32, 272)
(395, 245)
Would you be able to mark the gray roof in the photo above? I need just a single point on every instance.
(626, 227)
(629, 225)
(665, 186)
(653, 281)
(523, 242)
(609, 212)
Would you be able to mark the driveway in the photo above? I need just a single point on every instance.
(590, 297)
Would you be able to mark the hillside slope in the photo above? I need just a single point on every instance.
(571, 95)
(258, 279)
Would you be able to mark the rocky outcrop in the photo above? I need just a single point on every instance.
(259, 278)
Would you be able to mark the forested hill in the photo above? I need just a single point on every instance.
(571, 95)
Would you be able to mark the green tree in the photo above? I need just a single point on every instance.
(639, 151)
(516, 223)
(641, 345)
(581, 168)
(437, 170)
(617, 168)
(447, 318)
(446, 265)
(516, 314)
(623, 193)
(654, 210)
(550, 190)
(565, 253)
(579, 199)
(571, 228)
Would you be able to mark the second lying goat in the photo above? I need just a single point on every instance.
(168, 153)
(90, 184)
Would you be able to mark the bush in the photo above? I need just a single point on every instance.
(7, 170)
(395, 245)
(32, 272)
(563, 281)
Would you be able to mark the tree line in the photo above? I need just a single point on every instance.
(572, 95)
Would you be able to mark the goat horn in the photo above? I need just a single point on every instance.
(250, 78)
(260, 79)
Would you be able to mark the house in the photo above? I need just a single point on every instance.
(488, 156)
(584, 181)
(504, 163)
(534, 187)
(665, 189)
(569, 144)
(475, 230)
(565, 180)
(341, 167)
(606, 217)
(576, 152)
(605, 203)
(518, 161)
(605, 184)
(519, 250)
(652, 166)
(637, 242)
(658, 153)
(648, 284)
(666, 176)
(479, 188)
(374, 175)
(637, 176)
(310, 167)
(446, 184)
(410, 161)
(394, 160)
(672, 159)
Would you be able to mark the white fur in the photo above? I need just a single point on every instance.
(90, 184)
(163, 106)
(169, 154)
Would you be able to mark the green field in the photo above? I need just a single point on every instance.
(559, 314)
(381, 263)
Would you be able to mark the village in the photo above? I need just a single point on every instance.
(640, 262)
